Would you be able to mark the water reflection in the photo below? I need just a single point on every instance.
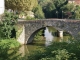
(58, 39)
(23, 50)
(48, 36)
(27, 49)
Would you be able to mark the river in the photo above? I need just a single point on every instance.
(49, 35)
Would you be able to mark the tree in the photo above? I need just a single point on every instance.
(68, 10)
(43, 3)
(20, 5)
(76, 12)
(51, 6)
(38, 12)
(49, 10)
(59, 3)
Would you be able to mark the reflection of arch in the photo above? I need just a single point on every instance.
(33, 34)
(57, 29)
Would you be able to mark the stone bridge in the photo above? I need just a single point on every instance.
(30, 28)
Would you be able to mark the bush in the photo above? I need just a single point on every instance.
(8, 24)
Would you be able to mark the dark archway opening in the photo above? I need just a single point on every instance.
(13, 33)
(32, 37)
(54, 32)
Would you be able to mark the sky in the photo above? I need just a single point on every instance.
(1, 6)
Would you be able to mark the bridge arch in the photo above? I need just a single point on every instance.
(56, 32)
(31, 38)
(31, 27)
(33, 34)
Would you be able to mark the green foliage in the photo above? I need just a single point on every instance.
(43, 3)
(20, 5)
(38, 36)
(19, 29)
(8, 24)
(51, 6)
(12, 42)
(59, 55)
(59, 3)
(49, 10)
(30, 18)
(45, 8)
(38, 13)
(58, 51)
(76, 14)
(67, 10)
(6, 53)
(68, 7)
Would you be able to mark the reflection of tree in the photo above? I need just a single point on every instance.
(7, 54)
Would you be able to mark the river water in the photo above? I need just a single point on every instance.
(49, 36)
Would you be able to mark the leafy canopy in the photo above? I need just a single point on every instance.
(20, 5)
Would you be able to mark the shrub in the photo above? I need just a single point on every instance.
(8, 24)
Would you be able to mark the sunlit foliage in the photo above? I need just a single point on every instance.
(20, 5)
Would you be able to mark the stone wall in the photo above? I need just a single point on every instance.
(21, 38)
